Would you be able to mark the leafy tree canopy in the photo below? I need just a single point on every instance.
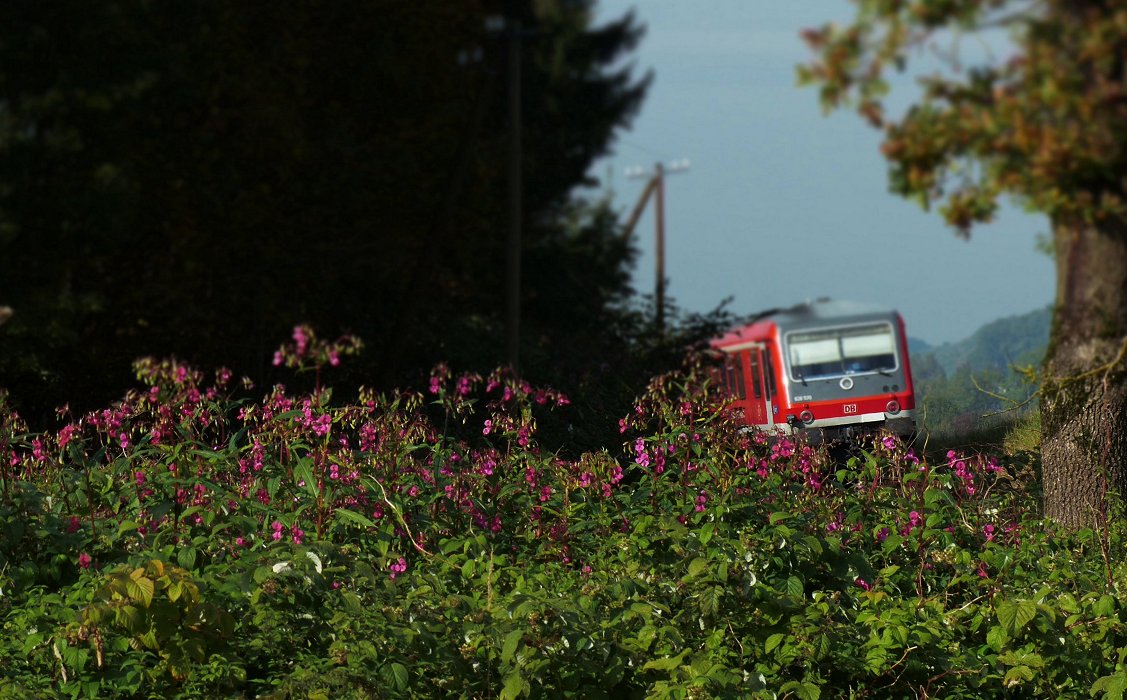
(1047, 122)
(193, 178)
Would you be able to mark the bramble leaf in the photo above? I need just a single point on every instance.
(1015, 615)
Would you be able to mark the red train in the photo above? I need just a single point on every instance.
(831, 370)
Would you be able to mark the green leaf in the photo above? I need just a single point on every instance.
(395, 675)
(710, 600)
(1017, 675)
(772, 642)
(646, 635)
(696, 566)
(1105, 606)
(515, 685)
(1026, 658)
(509, 647)
(127, 526)
(794, 587)
(875, 659)
(1014, 615)
(303, 474)
(1113, 687)
(997, 637)
(354, 517)
(186, 557)
(667, 663)
(803, 691)
(706, 532)
(722, 571)
(140, 589)
(778, 516)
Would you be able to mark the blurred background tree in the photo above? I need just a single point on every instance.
(193, 178)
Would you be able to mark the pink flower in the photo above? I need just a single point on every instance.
(398, 567)
(65, 435)
(989, 531)
(84, 560)
(889, 442)
(702, 501)
(301, 339)
(863, 584)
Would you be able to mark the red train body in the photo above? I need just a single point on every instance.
(829, 370)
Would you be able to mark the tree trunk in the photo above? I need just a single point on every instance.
(1084, 400)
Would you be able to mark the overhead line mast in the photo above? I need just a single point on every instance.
(655, 187)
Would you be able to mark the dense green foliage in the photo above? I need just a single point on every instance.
(193, 178)
(423, 544)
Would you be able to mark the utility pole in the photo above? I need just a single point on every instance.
(655, 187)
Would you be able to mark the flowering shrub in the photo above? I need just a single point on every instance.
(185, 542)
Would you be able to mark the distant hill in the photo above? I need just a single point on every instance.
(918, 347)
(1019, 340)
(951, 378)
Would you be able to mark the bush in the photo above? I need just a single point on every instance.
(183, 543)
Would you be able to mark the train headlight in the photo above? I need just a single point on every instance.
(806, 416)
(892, 407)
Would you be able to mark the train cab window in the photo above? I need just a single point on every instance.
(756, 384)
(836, 351)
(869, 349)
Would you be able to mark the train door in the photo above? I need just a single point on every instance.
(759, 386)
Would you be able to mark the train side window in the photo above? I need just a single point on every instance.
(741, 377)
(756, 385)
(769, 371)
(736, 377)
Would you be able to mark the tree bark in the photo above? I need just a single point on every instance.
(1084, 399)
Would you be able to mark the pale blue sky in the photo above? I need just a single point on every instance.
(782, 203)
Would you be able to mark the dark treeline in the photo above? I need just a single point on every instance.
(194, 178)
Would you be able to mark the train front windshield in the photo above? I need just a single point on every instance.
(833, 352)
